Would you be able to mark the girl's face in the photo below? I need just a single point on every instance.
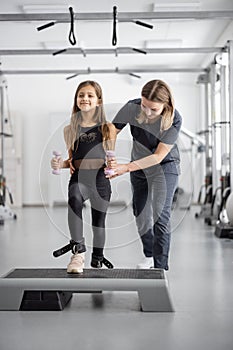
(87, 99)
(151, 109)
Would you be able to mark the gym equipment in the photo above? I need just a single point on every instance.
(206, 206)
(5, 211)
(211, 217)
(224, 228)
(51, 289)
(109, 156)
(56, 155)
(229, 208)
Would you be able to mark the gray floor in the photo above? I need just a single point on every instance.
(200, 282)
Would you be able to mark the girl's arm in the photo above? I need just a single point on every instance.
(66, 162)
(110, 143)
(59, 163)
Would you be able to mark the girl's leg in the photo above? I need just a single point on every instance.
(75, 220)
(99, 199)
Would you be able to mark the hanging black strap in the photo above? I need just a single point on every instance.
(114, 35)
(72, 39)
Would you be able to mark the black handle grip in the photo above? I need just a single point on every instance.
(44, 26)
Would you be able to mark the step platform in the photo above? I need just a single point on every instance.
(52, 289)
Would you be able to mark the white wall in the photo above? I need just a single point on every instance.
(37, 98)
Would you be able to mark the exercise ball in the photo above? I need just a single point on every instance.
(229, 208)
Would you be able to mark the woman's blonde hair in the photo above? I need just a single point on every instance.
(72, 131)
(159, 91)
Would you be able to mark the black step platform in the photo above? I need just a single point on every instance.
(52, 289)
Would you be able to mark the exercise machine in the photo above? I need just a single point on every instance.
(5, 210)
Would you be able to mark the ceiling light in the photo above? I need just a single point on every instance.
(177, 6)
(173, 43)
(44, 8)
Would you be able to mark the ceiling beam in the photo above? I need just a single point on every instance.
(102, 71)
(119, 50)
(121, 16)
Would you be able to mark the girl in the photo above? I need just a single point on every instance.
(87, 138)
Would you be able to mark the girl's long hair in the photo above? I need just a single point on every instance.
(159, 91)
(72, 131)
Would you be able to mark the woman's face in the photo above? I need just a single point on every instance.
(87, 99)
(151, 109)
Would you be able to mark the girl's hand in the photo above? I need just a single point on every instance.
(72, 168)
(56, 163)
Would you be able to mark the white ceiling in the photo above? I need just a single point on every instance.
(95, 34)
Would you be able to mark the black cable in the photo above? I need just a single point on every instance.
(72, 39)
(114, 35)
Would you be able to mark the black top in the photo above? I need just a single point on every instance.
(146, 137)
(90, 144)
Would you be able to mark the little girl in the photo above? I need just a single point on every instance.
(87, 138)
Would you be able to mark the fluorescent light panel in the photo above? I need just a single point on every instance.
(178, 5)
(57, 45)
(39, 8)
(153, 44)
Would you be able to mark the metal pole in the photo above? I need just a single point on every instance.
(103, 51)
(208, 131)
(213, 126)
(122, 16)
(2, 131)
(230, 45)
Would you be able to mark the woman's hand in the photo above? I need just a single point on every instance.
(119, 169)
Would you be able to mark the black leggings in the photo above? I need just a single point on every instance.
(92, 185)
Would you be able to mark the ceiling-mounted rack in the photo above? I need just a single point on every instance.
(112, 51)
(121, 17)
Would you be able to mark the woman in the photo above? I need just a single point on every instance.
(154, 167)
(87, 138)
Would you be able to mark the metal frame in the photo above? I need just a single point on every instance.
(102, 71)
(111, 51)
(121, 16)
(230, 50)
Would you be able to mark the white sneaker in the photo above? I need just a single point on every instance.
(76, 264)
(146, 263)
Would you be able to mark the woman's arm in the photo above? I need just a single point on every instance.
(160, 153)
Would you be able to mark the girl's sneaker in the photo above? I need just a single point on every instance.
(76, 264)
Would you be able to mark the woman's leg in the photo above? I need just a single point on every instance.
(163, 189)
(142, 210)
